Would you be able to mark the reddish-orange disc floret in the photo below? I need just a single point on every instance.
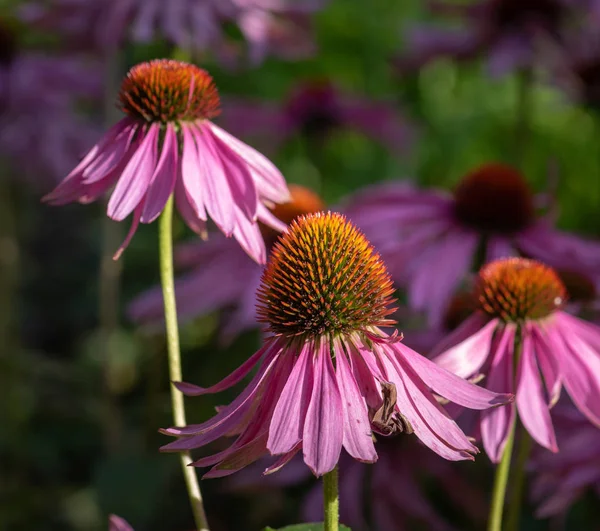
(324, 277)
(517, 289)
(165, 90)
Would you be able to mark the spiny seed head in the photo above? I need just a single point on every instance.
(516, 289)
(324, 277)
(494, 198)
(165, 90)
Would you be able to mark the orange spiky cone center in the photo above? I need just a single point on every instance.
(165, 90)
(494, 198)
(323, 277)
(518, 289)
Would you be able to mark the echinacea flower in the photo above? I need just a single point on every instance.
(218, 275)
(521, 298)
(506, 32)
(167, 145)
(328, 376)
(560, 479)
(315, 108)
(430, 238)
(269, 27)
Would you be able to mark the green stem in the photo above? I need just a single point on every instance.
(165, 238)
(502, 472)
(518, 481)
(501, 481)
(331, 500)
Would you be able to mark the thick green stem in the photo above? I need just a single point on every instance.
(503, 470)
(518, 481)
(501, 481)
(165, 238)
(331, 500)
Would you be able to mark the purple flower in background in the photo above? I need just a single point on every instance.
(116, 523)
(167, 144)
(324, 294)
(430, 238)
(40, 132)
(506, 32)
(220, 276)
(315, 108)
(279, 27)
(560, 479)
(520, 296)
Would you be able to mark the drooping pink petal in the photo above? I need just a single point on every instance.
(137, 214)
(289, 415)
(282, 461)
(364, 378)
(580, 366)
(191, 174)
(267, 178)
(269, 350)
(429, 422)
(357, 432)
(187, 211)
(133, 183)
(239, 177)
(219, 199)
(470, 326)
(467, 357)
(265, 216)
(247, 234)
(163, 178)
(496, 423)
(239, 458)
(548, 363)
(323, 428)
(447, 384)
(531, 405)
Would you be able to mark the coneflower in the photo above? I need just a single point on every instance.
(523, 298)
(165, 145)
(328, 376)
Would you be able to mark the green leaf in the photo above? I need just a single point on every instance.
(317, 526)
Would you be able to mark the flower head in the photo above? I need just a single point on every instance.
(217, 275)
(328, 375)
(519, 324)
(430, 238)
(165, 145)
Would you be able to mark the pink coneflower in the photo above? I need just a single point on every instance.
(218, 275)
(167, 144)
(269, 27)
(324, 294)
(562, 478)
(506, 32)
(430, 239)
(316, 108)
(520, 298)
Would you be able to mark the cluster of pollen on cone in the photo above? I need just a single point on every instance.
(165, 90)
(494, 198)
(323, 277)
(517, 289)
